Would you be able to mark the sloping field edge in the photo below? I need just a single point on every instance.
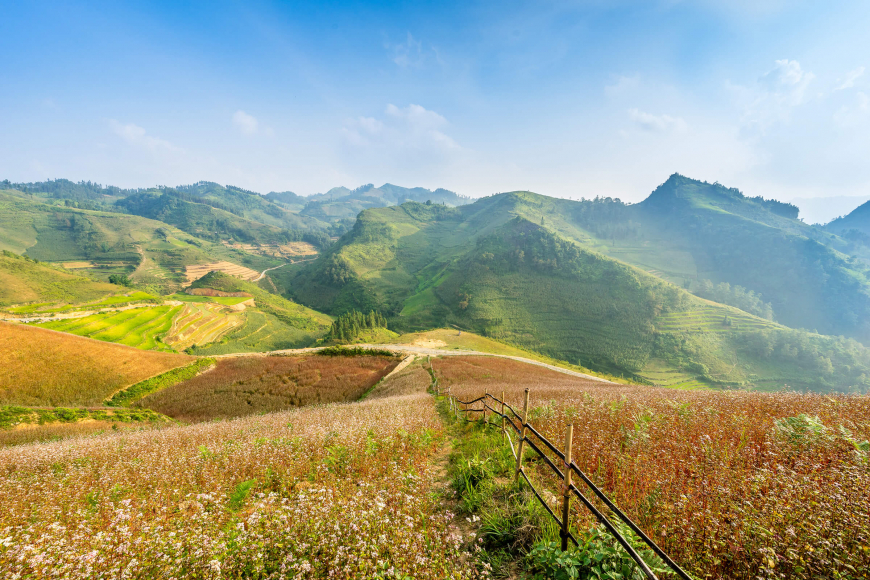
(138, 390)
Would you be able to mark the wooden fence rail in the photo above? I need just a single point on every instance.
(527, 435)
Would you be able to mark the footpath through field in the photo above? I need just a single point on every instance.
(409, 349)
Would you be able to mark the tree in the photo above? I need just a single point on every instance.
(120, 280)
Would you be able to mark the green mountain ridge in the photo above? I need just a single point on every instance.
(538, 272)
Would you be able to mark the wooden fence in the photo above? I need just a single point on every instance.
(565, 470)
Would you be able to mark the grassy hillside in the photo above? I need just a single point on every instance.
(23, 280)
(45, 368)
(516, 267)
(800, 270)
(153, 253)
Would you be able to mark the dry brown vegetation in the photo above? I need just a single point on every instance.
(337, 491)
(288, 250)
(245, 385)
(44, 367)
(197, 272)
(731, 484)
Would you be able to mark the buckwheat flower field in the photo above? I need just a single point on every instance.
(730, 484)
(338, 491)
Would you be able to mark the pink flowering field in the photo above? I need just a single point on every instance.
(339, 491)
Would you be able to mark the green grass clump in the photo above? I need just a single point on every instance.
(13, 415)
(135, 392)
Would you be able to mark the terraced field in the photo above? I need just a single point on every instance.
(260, 332)
(138, 327)
(201, 323)
(196, 272)
(664, 375)
(225, 300)
(711, 319)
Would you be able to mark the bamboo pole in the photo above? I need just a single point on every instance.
(485, 395)
(566, 487)
(503, 431)
(522, 437)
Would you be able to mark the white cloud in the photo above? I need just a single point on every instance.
(657, 123)
(245, 123)
(777, 93)
(787, 82)
(411, 127)
(850, 79)
(370, 125)
(404, 141)
(136, 135)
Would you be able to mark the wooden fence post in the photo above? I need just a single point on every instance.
(522, 437)
(566, 487)
(485, 399)
(503, 431)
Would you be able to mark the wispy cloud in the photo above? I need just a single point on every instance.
(245, 123)
(849, 81)
(657, 123)
(411, 53)
(777, 93)
(137, 136)
(411, 127)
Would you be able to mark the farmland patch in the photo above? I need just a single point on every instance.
(198, 271)
(246, 385)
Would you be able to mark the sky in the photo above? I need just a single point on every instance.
(565, 98)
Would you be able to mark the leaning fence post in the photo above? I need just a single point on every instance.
(485, 395)
(566, 487)
(522, 437)
(503, 432)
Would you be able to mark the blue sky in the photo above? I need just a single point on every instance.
(570, 99)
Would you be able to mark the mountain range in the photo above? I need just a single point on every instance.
(696, 285)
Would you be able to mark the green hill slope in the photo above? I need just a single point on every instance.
(241, 203)
(855, 225)
(24, 281)
(211, 223)
(153, 253)
(758, 244)
(517, 267)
